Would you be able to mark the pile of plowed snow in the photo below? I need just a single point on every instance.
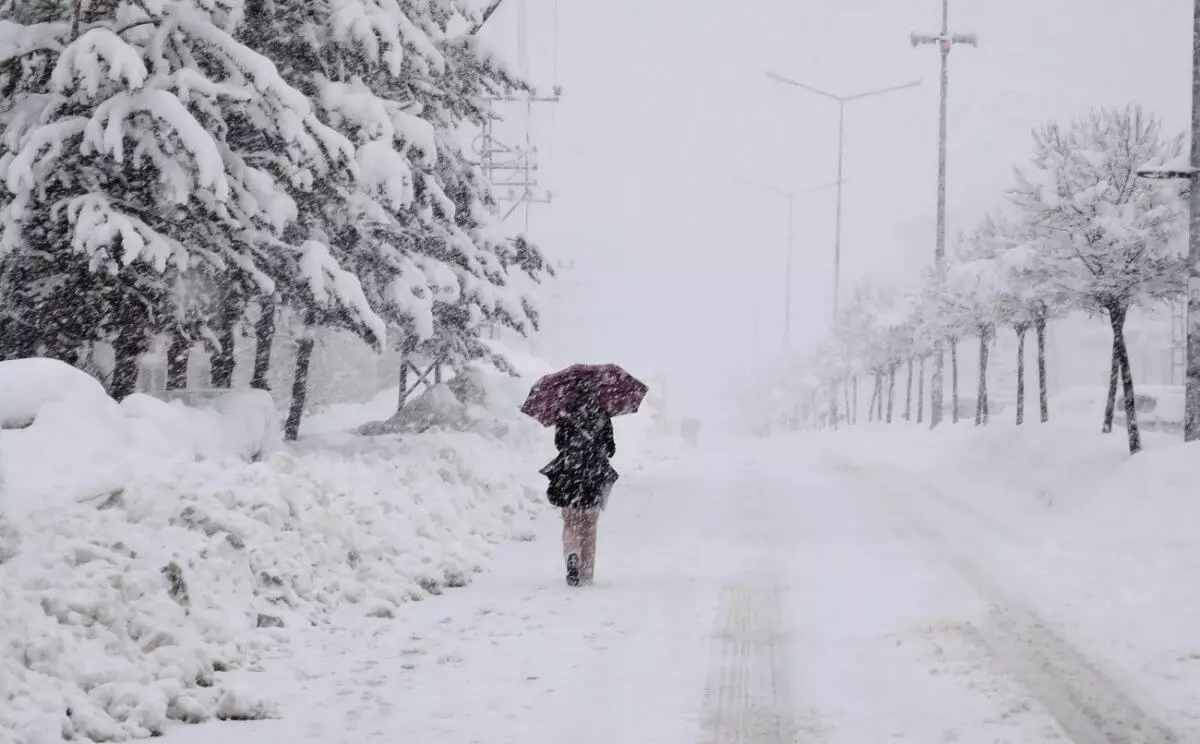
(147, 549)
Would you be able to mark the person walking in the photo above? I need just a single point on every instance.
(580, 403)
(581, 479)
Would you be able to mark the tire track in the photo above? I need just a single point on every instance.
(747, 699)
(1089, 705)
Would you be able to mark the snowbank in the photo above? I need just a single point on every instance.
(148, 564)
(29, 385)
(246, 422)
(64, 440)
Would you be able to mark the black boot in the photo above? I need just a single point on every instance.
(573, 569)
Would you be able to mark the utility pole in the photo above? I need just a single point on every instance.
(841, 101)
(1191, 415)
(1191, 421)
(512, 171)
(790, 196)
(945, 41)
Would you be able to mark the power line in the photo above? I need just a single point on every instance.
(512, 170)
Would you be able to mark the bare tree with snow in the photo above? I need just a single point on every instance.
(1110, 236)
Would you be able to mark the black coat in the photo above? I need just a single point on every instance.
(582, 475)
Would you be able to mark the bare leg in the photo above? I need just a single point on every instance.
(572, 542)
(588, 528)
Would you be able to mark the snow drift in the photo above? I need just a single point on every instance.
(63, 440)
(146, 559)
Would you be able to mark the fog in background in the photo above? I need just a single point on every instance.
(674, 268)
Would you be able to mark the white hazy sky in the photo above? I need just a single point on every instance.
(679, 269)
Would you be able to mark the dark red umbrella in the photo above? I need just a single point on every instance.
(617, 391)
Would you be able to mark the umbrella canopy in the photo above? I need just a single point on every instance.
(614, 389)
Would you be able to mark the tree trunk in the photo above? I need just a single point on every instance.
(1111, 405)
(921, 393)
(891, 391)
(987, 396)
(908, 393)
(403, 397)
(981, 412)
(1021, 375)
(846, 388)
(954, 379)
(224, 359)
(264, 338)
(1043, 398)
(854, 398)
(879, 395)
(221, 369)
(1131, 422)
(177, 360)
(880, 377)
(50, 345)
(833, 404)
(125, 371)
(304, 350)
(874, 397)
(131, 341)
(128, 347)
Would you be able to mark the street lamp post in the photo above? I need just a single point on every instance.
(790, 196)
(945, 41)
(841, 101)
(1191, 416)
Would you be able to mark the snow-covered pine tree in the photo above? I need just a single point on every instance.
(1111, 236)
(144, 154)
(459, 232)
(401, 79)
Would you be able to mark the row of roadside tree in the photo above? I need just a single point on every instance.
(1078, 231)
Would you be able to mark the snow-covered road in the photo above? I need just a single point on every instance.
(773, 596)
